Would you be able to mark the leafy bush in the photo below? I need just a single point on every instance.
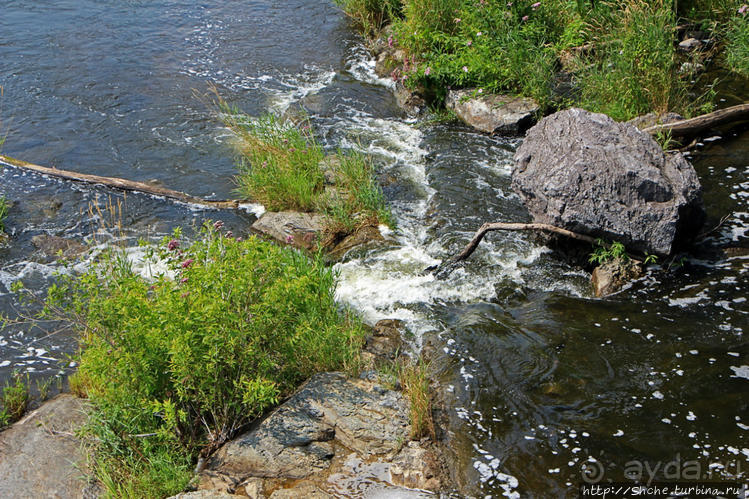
(605, 252)
(178, 365)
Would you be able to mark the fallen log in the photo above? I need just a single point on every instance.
(694, 126)
(120, 183)
(447, 266)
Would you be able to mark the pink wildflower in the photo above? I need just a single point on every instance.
(469, 43)
(457, 19)
(183, 280)
(185, 295)
(173, 245)
(218, 225)
(481, 90)
(465, 69)
(743, 9)
(524, 18)
(479, 33)
(427, 71)
(390, 41)
(229, 234)
(187, 263)
(536, 5)
(289, 239)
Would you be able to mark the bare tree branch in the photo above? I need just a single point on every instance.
(694, 126)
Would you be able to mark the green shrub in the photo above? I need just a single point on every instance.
(177, 366)
(737, 44)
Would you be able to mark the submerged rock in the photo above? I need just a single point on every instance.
(610, 277)
(587, 173)
(54, 245)
(492, 113)
(40, 455)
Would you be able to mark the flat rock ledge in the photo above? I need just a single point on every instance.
(335, 436)
(40, 455)
(493, 113)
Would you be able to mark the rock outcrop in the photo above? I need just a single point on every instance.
(493, 113)
(587, 173)
(40, 455)
(335, 433)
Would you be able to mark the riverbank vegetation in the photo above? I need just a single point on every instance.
(283, 166)
(177, 365)
(620, 58)
(14, 399)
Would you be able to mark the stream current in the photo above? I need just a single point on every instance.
(545, 387)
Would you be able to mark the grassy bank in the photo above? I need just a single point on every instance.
(282, 166)
(621, 58)
(176, 366)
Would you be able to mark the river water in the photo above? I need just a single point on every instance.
(546, 387)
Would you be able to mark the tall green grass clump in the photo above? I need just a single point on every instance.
(634, 69)
(360, 200)
(282, 166)
(14, 399)
(737, 41)
(496, 46)
(4, 209)
(278, 161)
(177, 365)
(371, 15)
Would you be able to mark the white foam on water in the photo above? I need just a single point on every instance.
(361, 65)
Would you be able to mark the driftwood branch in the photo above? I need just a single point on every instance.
(120, 183)
(693, 126)
(449, 264)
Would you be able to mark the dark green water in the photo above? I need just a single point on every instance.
(543, 382)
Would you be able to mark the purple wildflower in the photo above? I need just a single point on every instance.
(390, 41)
(173, 245)
(218, 225)
(187, 263)
(457, 19)
(229, 234)
(427, 71)
(289, 239)
(183, 280)
(743, 9)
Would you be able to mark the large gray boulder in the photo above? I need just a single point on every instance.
(493, 113)
(587, 173)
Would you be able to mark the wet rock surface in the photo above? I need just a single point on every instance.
(493, 113)
(612, 276)
(40, 455)
(51, 246)
(587, 173)
(301, 230)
